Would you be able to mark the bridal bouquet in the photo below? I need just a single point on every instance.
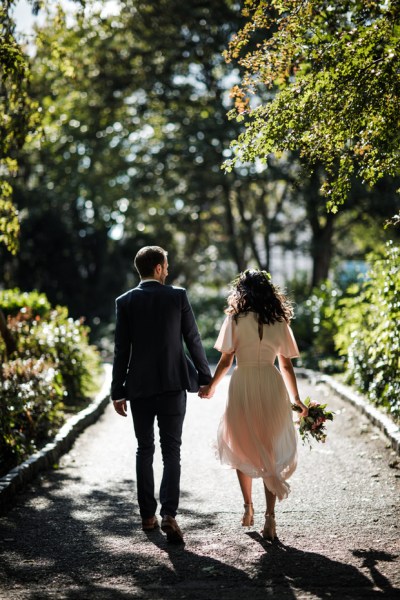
(313, 426)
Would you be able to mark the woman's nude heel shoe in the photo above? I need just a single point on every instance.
(248, 517)
(269, 531)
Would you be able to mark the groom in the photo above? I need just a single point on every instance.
(152, 371)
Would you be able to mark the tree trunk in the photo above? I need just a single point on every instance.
(248, 226)
(237, 253)
(321, 250)
(322, 227)
(262, 209)
(270, 222)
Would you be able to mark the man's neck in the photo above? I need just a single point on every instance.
(146, 279)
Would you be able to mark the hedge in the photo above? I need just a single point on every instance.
(368, 332)
(54, 370)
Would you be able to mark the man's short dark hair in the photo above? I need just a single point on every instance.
(148, 258)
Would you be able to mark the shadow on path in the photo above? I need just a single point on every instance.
(60, 544)
(371, 559)
(287, 567)
(68, 540)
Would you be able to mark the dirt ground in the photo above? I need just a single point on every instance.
(75, 533)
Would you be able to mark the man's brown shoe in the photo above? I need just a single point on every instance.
(170, 527)
(149, 524)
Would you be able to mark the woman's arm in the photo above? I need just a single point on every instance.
(286, 368)
(225, 363)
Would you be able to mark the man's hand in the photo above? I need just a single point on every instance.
(206, 391)
(120, 407)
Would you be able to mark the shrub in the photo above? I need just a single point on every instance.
(368, 333)
(30, 408)
(14, 301)
(54, 369)
(63, 343)
(314, 328)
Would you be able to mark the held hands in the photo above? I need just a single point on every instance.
(225, 362)
(206, 391)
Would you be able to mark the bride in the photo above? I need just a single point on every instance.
(256, 435)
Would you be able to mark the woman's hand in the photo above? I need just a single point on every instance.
(304, 408)
(206, 391)
(223, 366)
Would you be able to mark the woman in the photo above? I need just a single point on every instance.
(256, 435)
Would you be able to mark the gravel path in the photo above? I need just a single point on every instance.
(75, 533)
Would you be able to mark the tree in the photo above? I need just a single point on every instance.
(134, 130)
(358, 228)
(328, 75)
(18, 118)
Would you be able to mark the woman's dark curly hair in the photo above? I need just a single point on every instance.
(252, 291)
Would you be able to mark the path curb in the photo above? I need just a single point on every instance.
(62, 442)
(378, 418)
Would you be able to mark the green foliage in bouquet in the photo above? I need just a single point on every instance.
(313, 426)
(368, 333)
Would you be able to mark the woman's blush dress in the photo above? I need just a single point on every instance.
(256, 434)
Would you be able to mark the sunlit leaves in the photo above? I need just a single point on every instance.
(134, 108)
(18, 117)
(368, 333)
(53, 366)
(9, 224)
(334, 69)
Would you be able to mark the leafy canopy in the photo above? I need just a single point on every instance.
(326, 75)
(134, 129)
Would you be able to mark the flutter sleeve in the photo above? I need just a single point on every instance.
(225, 341)
(288, 346)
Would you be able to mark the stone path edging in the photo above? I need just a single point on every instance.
(379, 419)
(62, 442)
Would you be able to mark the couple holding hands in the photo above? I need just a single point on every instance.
(256, 435)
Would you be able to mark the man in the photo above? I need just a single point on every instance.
(152, 371)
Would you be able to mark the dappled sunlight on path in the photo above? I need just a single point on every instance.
(75, 533)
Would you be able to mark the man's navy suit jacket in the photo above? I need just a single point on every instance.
(152, 321)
